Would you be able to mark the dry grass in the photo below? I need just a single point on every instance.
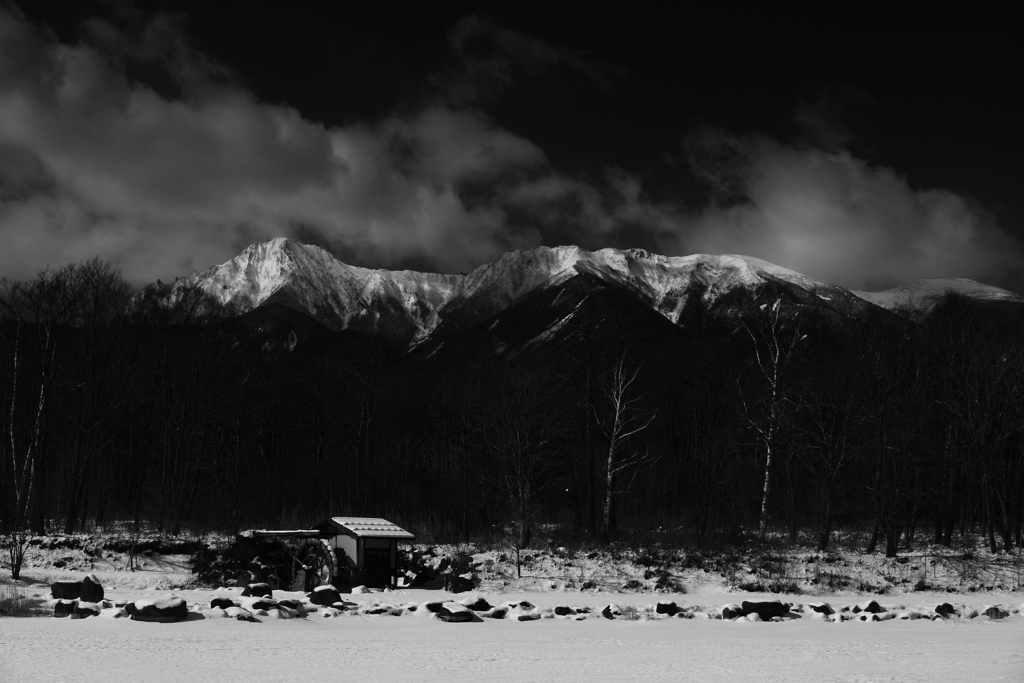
(15, 602)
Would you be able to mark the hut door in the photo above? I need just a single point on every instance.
(377, 563)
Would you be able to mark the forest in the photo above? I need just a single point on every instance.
(120, 405)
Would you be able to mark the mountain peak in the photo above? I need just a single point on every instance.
(405, 307)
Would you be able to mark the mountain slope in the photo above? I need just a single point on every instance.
(404, 309)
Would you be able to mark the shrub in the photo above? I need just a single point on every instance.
(629, 613)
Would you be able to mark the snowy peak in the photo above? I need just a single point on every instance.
(403, 308)
(924, 295)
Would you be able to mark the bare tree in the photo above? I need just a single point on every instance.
(621, 417)
(521, 434)
(775, 340)
(35, 316)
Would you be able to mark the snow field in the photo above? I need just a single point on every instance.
(425, 649)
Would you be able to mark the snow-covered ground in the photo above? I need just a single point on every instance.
(418, 646)
(370, 648)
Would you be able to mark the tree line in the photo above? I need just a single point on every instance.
(163, 407)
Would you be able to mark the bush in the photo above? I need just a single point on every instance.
(15, 602)
(629, 613)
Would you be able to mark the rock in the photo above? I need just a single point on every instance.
(669, 608)
(477, 605)
(564, 611)
(254, 604)
(821, 608)
(996, 612)
(240, 614)
(496, 613)
(324, 595)
(869, 606)
(753, 616)
(530, 616)
(64, 608)
(361, 590)
(113, 613)
(730, 611)
(257, 590)
(292, 604)
(432, 607)
(164, 610)
(908, 615)
(92, 591)
(460, 583)
(66, 590)
(85, 609)
(453, 612)
(214, 613)
(765, 609)
(222, 603)
(611, 611)
(946, 610)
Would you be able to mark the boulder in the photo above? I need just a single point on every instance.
(64, 608)
(564, 611)
(113, 613)
(254, 604)
(222, 603)
(611, 611)
(92, 591)
(361, 590)
(730, 611)
(821, 608)
(240, 614)
(496, 613)
(257, 590)
(432, 607)
(324, 595)
(765, 609)
(165, 610)
(453, 612)
(477, 605)
(996, 612)
(66, 590)
(669, 608)
(946, 610)
(869, 606)
(85, 609)
(292, 604)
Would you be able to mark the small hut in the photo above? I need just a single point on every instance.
(367, 547)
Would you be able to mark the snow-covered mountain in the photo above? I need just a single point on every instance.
(924, 295)
(406, 307)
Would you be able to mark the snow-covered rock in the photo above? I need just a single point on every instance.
(163, 610)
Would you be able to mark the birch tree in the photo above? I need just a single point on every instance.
(775, 343)
(621, 417)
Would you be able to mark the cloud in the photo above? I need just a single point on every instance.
(837, 218)
(166, 180)
(133, 146)
(490, 60)
(830, 118)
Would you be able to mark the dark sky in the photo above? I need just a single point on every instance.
(867, 150)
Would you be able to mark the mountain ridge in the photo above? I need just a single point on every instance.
(404, 308)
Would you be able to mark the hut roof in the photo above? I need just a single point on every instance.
(365, 527)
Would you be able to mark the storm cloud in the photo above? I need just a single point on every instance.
(167, 175)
